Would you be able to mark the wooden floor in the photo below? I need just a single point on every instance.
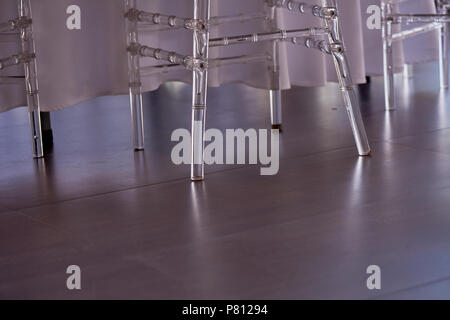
(139, 229)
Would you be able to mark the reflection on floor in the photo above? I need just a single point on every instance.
(139, 229)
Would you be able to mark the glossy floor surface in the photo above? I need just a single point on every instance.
(138, 228)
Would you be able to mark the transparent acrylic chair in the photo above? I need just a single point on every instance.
(22, 28)
(12, 30)
(429, 22)
(327, 39)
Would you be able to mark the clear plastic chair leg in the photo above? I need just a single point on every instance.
(345, 81)
(36, 133)
(275, 93)
(134, 80)
(199, 89)
(31, 82)
(34, 114)
(137, 118)
(275, 109)
(356, 122)
(388, 60)
(198, 138)
(352, 104)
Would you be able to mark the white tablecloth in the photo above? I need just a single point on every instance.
(77, 65)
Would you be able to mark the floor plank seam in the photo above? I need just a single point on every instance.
(417, 286)
(419, 134)
(420, 149)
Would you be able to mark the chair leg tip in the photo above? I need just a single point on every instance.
(277, 127)
(366, 154)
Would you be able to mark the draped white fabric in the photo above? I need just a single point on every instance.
(77, 65)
